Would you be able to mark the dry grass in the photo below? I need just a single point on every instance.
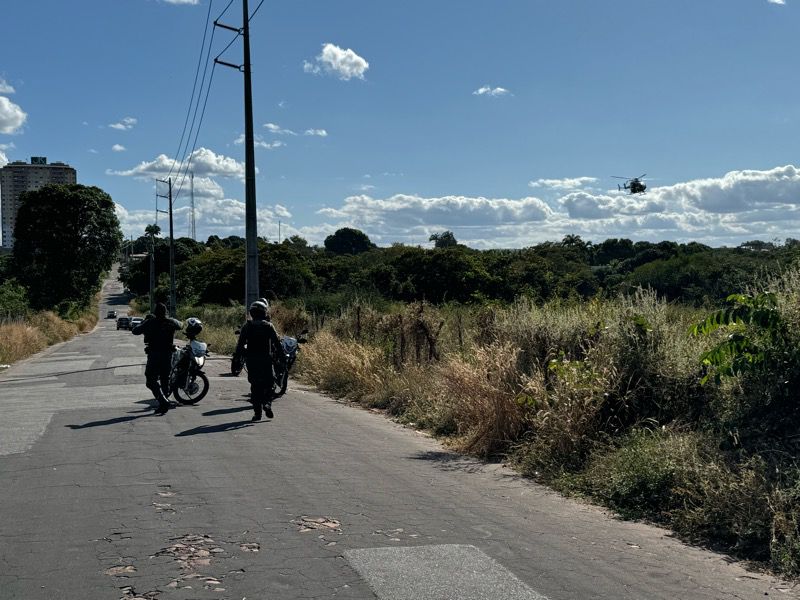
(486, 398)
(26, 337)
(343, 367)
(20, 340)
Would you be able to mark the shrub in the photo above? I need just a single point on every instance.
(344, 368)
(785, 541)
(19, 340)
(483, 392)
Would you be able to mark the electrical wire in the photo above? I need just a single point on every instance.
(255, 11)
(222, 14)
(194, 87)
(197, 133)
(197, 106)
(236, 37)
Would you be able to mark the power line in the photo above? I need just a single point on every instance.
(197, 131)
(222, 14)
(194, 85)
(256, 10)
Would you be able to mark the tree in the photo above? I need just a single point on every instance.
(446, 239)
(348, 241)
(66, 236)
(153, 230)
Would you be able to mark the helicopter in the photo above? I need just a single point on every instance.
(634, 184)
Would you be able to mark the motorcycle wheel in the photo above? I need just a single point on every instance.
(194, 391)
(285, 382)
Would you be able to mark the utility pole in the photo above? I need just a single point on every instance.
(251, 220)
(279, 231)
(152, 272)
(191, 190)
(172, 298)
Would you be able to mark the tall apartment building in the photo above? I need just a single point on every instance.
(19, 176)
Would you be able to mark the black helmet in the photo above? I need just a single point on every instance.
(258, 310)
(193, 327)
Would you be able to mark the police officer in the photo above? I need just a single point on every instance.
(159, 335)
(258, 341)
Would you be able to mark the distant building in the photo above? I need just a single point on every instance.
(19, 176)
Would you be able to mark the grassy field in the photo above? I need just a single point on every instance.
(602, 399)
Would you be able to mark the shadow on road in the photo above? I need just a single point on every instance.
(46, 375)
(221, 428)
(118, 300)
(450, 461)
(113, 421)
(226, 411)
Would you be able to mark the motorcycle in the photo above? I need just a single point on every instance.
(283, 364)
(186, 379)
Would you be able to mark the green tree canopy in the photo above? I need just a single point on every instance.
(348, 241)
(446, 239)
(65, 237)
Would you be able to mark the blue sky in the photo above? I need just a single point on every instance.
(501, 121)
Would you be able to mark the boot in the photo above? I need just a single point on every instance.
(163, 405)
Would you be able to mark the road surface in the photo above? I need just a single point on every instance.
(102, 500)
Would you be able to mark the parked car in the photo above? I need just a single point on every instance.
(123, 322)
(136, 321)
(112, 314)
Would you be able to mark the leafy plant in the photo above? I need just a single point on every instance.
(757, 336)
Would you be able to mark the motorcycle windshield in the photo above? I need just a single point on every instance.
(289, 344)
(198, 348)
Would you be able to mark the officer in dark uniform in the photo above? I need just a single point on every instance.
(159, 335)
(258, 341)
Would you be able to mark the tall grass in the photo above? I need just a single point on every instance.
(601, 398)
(33, 333)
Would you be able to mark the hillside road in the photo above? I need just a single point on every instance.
(99, 499)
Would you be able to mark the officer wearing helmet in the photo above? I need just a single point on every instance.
(258, 341)
(159, 335)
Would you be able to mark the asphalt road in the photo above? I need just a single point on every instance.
(99, 499)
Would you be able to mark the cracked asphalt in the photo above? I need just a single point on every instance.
(101, 500)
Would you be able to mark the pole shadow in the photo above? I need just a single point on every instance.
(220, 428)
(103, 423)
(226, 411)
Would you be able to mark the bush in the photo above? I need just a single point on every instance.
(483, 392)
(681, 479)
(785, 542)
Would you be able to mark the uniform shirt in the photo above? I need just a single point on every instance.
(259, 336)
(159, 333)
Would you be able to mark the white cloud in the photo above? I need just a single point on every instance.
(258, 142)
(569, 183)
(118, 148)
(488, 90)
(316, 132)
(727, 210)
(776, 1)
(12, 117)
(410, 217)
(334, 60)
(282, 211)
(5, 87)
(125, 124)
(3, 159)
(277, 129)
(213, 215)
(204, 163)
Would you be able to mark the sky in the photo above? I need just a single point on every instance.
(504, 122)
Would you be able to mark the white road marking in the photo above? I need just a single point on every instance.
(443, 572)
